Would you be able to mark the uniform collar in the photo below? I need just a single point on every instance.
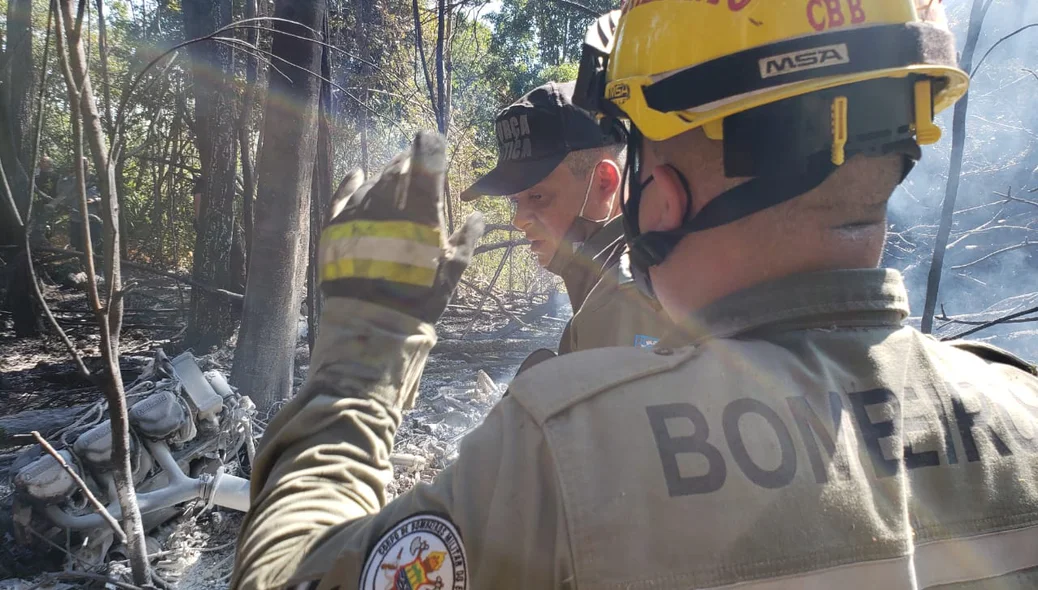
(842, 298)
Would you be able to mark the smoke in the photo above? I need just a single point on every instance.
(990, 264)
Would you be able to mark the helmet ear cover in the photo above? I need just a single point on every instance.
(780, 139)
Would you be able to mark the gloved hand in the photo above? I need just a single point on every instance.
(384, 243)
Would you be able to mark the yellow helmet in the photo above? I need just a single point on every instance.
(677, 65)
(792, 88)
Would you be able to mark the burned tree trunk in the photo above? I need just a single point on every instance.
(320, 196)
(363, 34)
(212, 318)
(18, 79)
(16, 85)
(248, 171)
(266, 345)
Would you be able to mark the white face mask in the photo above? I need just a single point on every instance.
(580, 229)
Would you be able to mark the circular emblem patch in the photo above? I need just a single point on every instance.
(422, 552)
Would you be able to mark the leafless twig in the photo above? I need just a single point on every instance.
(490, 287)
(1024, 244)
(58, 547)
(1009, 197)
(952, 320)
(6, 186)
(498, 301)
(997, 43)
(585, 10)
(995, 322)
(82, 486)
(498, 245)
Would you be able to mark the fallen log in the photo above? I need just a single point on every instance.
(498, 301)
(536, 312)
(48, 420)
(154, 271)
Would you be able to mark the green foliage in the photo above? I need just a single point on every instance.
(535, 41)
(379, 100)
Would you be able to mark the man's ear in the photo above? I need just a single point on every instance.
(663, 206)
(604, 184)
(608, 176)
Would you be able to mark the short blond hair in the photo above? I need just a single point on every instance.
(582, 162)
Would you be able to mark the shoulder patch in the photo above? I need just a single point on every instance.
(556, 384)
(643, 341)
(994, 354)
(422, 552)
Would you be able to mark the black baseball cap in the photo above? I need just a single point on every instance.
(534, 134)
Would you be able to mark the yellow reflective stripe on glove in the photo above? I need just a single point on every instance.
(399, 228)
(400, 251)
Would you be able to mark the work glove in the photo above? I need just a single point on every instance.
(385, 241)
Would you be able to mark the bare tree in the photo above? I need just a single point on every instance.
(444, 41)
(248, 170)
(18, 78)
(86, 122)
(16, 89)
(933, 282)
(212, 319)
(320, 194)
(364, 22)
(264, 358)
(102, 49)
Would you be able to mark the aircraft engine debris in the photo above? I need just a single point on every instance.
(186, 428)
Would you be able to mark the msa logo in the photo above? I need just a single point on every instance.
(807, 59)
(618, 93)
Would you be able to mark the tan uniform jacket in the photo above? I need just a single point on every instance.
(608, 307)
(806, 439)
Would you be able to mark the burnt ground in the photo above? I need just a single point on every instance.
(197, 549)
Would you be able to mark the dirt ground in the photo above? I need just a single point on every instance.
(197, 548)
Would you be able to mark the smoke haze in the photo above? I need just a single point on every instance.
(992, 255)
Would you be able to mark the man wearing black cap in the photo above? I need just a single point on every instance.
(562, 173)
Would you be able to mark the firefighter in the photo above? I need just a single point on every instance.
(796, 435)
(562, 173)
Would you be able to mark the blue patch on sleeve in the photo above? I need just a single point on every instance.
(643, 341)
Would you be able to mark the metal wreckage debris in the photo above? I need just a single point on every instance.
(189, 430)
(186, 428)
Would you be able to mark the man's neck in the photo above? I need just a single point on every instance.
(714, 264)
